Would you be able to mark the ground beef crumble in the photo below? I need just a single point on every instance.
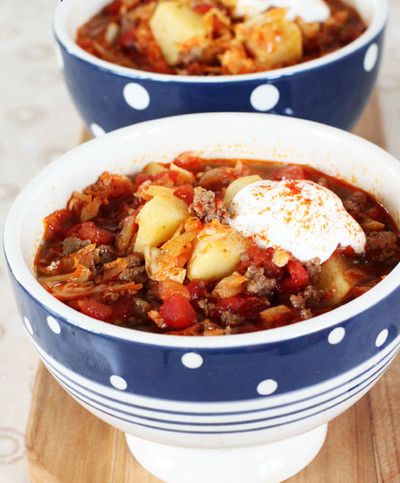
(207, 208)
(227, 318)
(206, 307)
(151, 292)
(258, 283)
(382, 246)
(356, 204)
(135, 259)
(140, 308)
(230, 319)
(72, 244)
(313, 268)
(134, 274)
(309, 299)
(106, 254)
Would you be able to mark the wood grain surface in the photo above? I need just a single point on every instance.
(67, 444)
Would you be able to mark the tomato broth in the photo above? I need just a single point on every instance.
(127, 251)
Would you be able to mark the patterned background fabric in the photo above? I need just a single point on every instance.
(37, 124)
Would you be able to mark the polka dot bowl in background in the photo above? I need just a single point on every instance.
(333, 90)
(211, 392)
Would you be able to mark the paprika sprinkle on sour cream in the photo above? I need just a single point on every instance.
(205, 247)
(299, 216)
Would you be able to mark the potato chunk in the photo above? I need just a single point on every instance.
(273, 40)
(154, 168)
(338, 276)
(216, 253)
(174, 24)
(158, 220)
(237, 185)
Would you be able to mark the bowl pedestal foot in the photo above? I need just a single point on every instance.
(266, 463)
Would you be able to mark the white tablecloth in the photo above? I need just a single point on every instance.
(38, 123)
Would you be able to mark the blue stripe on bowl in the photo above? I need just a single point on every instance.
(71, 383)
(119, 414)
(266, 427)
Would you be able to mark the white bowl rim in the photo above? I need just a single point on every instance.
(61, 33)
(55, 307)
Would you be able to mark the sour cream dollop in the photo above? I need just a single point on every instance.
(299, 216)
(308, 10)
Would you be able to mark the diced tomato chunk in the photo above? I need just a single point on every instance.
(55, 223)
(177, 312)
(290, 172)
(375, 213)
(89, 231)
(112, 7)
(96, 309)
(261, 258)
(164, 175)
(203, 8)
(218, 27)
(142, 178)
(189, 160)
(167, 288)
(185, 192)
(246, 306)
(129, 39)
(197, 289)
(73, 230)
(298, 277)
(122, 309)
(348, 252)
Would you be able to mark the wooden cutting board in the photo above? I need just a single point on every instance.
(67, 444)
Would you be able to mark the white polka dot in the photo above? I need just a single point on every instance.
(269, 386)
(53, 324)
(191, 360)
(28, 325)
(59, 56)
(118, 382)
(136, 96)
(97, 130)
(371, 56)
(265, 97)
(382, 337)
(336, 335)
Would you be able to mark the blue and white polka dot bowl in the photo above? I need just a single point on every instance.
(333, 90)
(255, 404)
